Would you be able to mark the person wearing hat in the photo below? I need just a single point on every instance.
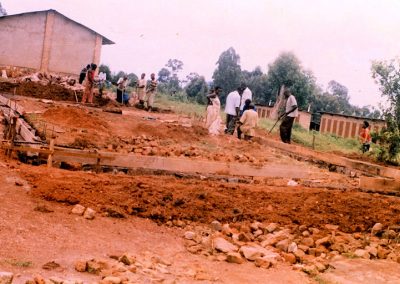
(248, 122)
(365, 137)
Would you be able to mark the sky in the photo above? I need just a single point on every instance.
(335, 39)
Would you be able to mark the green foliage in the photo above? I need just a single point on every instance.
(387, 75)
(388, 143)
(258, 83)
(287, 70)
(197, 89)
(322, 142)
(228, 74)
(168, 77)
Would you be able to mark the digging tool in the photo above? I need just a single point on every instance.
(279, 118)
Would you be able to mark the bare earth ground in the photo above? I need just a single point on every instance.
(30, 238)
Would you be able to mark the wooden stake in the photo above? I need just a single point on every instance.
(50, 157)
(13, 134)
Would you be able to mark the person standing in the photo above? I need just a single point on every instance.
(291, 112)
(365, 137)
(122, 83)
(141, 87)
(247, 95)
(82, 76)
(248, 122)
(151, 92)
(213, 119)
(89, 85)
(232, 108)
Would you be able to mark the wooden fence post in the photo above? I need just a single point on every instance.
(50, 157)
(13, 134)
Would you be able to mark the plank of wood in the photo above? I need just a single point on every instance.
(379, 184)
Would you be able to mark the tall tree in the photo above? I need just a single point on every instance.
(287, 70)
(228, 74)
(197, 89)
(164, 75)
(387, 75)
(175, 65)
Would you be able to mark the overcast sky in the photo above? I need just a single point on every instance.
(336, 39)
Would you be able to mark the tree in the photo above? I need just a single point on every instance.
(228, 74)
(287, 70)
(132, 79)
(197, 89)
(3, 11)
(105, 69)
(175, 65)
(257, 81)
(387, 75)
(164, 75)
(168, 77)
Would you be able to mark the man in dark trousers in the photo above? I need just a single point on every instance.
(291, 112)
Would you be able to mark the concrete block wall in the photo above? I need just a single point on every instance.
(304, 118)
(347, 126)
(47, 41)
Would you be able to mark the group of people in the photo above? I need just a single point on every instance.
(145, 91)
(242, 116)
(87, 77)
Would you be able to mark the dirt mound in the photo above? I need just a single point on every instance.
(165, 198)
(74, 117)
(53, 92)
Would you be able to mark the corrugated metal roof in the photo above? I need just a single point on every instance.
(105, 40)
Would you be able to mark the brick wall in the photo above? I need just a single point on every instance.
(347, 126)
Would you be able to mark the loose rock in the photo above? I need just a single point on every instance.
(234, 257)
(6, 277)
(78, 210)
(89, 214)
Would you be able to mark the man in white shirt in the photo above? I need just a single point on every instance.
(232, 108)
(291, 112)
(247, 95)
(121, 87)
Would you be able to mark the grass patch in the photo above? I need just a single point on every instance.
(18, 263)
(180, 104)
(322, 142)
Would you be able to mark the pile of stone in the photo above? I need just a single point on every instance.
(147, 268)
(45, 79)
(52, 280)
(307, 248)
(42, 78)
(153, 146)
